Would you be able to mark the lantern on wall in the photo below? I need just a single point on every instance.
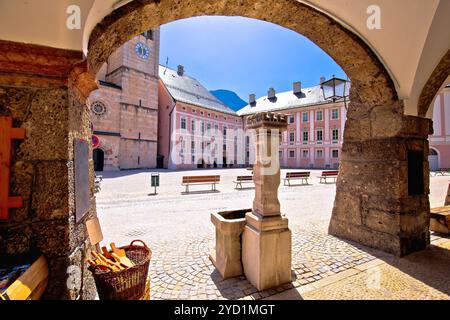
(335, 89)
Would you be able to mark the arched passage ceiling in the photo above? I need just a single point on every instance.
(415, 34)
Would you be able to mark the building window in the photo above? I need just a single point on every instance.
(305, 116)
(334, 114)
(247, 141)
(305, 154)
(202, 127)
(292, 136)
(209, 115)
(319, 135)
(319, 115)
(335, 154)
(335, 134)
(148, 34)
(183, 123)
(224, 132)
(305, 135)
(224, 147)
(201, 113)
(208, 127)
(319, 154)
(216, 128)
(193, 126)
(98, 108)
(224, 118)
(291, 118)
(291, 153)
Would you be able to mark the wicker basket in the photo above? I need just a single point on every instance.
(128, 284)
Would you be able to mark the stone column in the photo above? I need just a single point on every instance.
(43, 90)
(266, 243)
(383, 185)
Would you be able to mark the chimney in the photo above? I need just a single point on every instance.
(252, 99)
(297, 87)
(180, 70)
(322, 80)
(271, 93)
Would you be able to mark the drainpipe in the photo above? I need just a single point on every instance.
(170, 125)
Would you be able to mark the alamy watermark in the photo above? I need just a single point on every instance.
(73, 21)
(374, 20)
(215, 148)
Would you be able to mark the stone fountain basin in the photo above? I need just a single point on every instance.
(227, 254)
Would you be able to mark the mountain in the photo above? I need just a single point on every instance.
(229, 98)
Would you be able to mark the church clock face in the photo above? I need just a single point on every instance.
(142, 51)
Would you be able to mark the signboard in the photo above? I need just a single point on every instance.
(155, 182)
(82, 188)
(95, 141)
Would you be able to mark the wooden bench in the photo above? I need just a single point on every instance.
(243, 179)
(303, 176)
(328, 174)
(440, 220)
(198, 180)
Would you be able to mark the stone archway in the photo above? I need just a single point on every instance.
(434, 84)
(372, 205)
(44, 90)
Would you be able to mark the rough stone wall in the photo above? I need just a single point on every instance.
(42, 172)
(372, 204)
(45, 101)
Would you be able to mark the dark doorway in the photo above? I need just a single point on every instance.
(99, 159)
(201, 164)
(225, 165)
(160, 161)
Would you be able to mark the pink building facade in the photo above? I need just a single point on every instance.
(315, 130)
(196, 130)
(439, 156)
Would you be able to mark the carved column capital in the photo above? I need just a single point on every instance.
(267, 120)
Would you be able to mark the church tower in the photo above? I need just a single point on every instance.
(128, 89)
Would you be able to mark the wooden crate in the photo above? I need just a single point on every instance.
(30, 285)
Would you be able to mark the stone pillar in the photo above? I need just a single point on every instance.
(43, 90)
(383, 185)
(266, 243)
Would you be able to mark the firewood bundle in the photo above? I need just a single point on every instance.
(113, 260)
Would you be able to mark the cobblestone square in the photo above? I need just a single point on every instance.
(178, 229)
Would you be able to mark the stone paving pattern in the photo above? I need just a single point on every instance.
(178, 229)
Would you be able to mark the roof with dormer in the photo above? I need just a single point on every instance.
(288, 100)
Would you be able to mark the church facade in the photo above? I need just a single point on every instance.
(124, 110)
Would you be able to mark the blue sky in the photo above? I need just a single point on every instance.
(244, 55)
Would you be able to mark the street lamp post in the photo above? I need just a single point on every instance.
(335, 89)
